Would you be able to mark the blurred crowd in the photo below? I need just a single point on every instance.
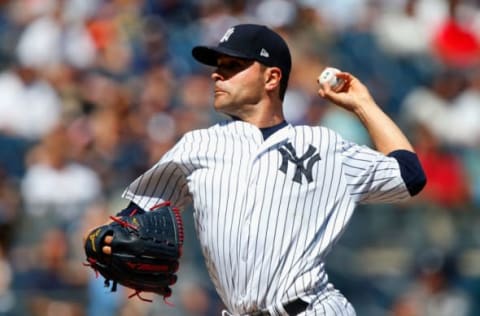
(93, 92)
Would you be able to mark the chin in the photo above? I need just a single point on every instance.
(224, 110)
(220, 106)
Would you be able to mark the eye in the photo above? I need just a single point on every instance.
(230, 65)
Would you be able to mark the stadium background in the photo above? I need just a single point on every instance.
(92, 92)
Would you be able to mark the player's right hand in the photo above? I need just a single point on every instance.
(353, 96)
(107, 249)
(108, 240)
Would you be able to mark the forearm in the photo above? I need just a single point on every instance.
(390, 140)
(385, 134)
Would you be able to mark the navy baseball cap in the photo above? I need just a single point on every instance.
(249, 41)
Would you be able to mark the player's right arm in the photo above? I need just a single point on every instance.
(385, 134)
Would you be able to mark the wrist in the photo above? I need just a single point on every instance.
(364, 108)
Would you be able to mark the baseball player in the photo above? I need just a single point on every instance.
(270, 199)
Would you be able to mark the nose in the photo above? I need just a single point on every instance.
(216, 76)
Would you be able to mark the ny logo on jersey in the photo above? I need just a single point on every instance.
(310, 158)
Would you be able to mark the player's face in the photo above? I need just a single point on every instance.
(239, 85)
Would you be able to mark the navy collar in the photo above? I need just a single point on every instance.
(268, 131)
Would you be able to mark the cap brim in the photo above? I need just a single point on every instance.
(208, 55)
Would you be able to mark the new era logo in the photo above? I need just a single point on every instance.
(264, 53)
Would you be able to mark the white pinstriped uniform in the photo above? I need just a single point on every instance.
(265, 236)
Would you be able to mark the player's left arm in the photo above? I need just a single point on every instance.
(140, 246)
(385, 134)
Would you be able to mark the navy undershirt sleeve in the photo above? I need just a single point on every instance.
(132, 207)
(411, 170)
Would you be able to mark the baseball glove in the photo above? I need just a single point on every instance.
(146, 248)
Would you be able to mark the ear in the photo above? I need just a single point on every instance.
(273, 75)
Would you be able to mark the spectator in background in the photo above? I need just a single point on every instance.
(9, 212)
(193, 108)
(157, 92)
(336, 14)
(176, 13)
(412, 39)
(431, 105)
(463, 129)
(152, 48)
(276, 13)
(8, 300)
(408, 45)
(119, 77)
(445, 115)
(55, 189)
(434, 292)
(53, 284)
(448, 184)
(448, 107)
(215, 16)
(106, 130)
(455, 42)
(116, 152)
(109, 29)
(29, 106)
(50, 39)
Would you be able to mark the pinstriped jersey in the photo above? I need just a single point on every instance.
(267, 212)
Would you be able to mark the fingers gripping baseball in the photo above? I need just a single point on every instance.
(351, 94)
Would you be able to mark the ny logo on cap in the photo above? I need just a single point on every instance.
(227, 35)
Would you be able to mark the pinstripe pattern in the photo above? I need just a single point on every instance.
(264, 236)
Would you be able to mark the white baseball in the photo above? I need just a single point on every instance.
(329, 76)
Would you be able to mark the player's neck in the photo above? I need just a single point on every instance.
(262, 122)
(264, 115)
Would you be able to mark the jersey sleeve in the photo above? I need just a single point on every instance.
(167, 180)
(371, 176)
